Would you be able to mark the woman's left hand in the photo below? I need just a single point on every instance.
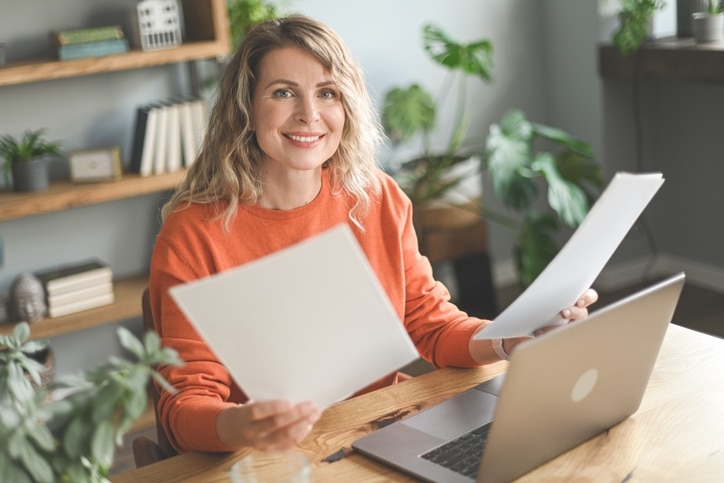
(575, 312)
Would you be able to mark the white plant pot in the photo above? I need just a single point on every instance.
(707, 28)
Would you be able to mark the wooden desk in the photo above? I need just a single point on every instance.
(676, 435)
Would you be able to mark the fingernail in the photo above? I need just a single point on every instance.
(566, 313)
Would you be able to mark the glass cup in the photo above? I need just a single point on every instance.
(277, 467)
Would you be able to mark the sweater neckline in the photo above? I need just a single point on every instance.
(271, 214)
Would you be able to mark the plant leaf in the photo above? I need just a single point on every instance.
(475, 58)
(565, 198)
(562, 138)
(21, 332)
(76, 435)
(131, 343)
(34, 463)
(535, 247)
(102, 444)
(508, 157)
(407, 112)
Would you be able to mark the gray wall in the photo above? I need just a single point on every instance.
(680, 134)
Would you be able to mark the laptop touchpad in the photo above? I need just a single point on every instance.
(460, 414)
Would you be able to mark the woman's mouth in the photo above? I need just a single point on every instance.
(309, 138)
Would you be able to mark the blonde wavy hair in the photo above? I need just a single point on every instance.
(227, 171)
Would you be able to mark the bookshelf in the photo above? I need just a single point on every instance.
(127, 304)
(206, 36)
(63, 195)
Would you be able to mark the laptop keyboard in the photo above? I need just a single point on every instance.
(462, 454)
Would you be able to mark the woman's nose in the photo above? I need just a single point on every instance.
(307, 111)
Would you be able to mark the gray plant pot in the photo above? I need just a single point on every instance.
(707, 28)
(31, 175)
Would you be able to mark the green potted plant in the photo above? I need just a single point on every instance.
(72, 439)
(521, 157)
(26, 160)
(411, 111)
(516, 157)
(634, 20)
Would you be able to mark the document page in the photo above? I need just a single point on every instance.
(311, 322)
(580, 261)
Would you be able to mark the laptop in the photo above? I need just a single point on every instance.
(560, 390)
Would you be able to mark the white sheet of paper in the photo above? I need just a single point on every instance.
(308, 323)
(580, 261)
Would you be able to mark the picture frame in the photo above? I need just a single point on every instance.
(95, 165)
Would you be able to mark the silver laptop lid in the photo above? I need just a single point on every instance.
(575, 382)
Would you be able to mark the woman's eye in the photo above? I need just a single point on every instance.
(328, 94)
(282, 93)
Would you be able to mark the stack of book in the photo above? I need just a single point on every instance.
(77, 287)
(167, 135)
(89, 42)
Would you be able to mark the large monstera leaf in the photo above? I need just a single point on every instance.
(475, 58)
(509, 156)
(408, 111)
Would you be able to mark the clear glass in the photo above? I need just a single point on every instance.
(277, 467)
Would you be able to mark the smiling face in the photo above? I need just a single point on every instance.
(298, 112)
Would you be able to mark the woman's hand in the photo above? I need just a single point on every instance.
(575, 312)
(266, 425)
(570, 314)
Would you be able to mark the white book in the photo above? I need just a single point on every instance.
(199, 119)
(80, 294)
(188, 136)
(173, 138)
(159, 159)
(81, 305)
(74, 276)
(149, 143)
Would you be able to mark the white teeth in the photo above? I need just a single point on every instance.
(303, 139)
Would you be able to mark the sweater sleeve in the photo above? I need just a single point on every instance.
(440, 331)
(203, 384)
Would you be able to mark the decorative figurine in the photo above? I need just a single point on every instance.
(27, 298)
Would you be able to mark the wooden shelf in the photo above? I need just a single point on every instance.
(62, 195)
(207, 34)
(127, 304)
(41, 70)
(670, 58)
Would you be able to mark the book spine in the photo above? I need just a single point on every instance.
(139, 135)
(81, 305)
(77, 281)
(93, 49)
(56, 300)
(149, 142)
(77, 36)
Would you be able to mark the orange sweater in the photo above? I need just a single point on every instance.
(191, 246)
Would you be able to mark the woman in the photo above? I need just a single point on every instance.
(290, 152)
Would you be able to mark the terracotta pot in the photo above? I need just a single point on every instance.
(437, 216)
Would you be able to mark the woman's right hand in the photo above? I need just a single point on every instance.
(266, 425)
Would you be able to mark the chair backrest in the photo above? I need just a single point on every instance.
(146, 451)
